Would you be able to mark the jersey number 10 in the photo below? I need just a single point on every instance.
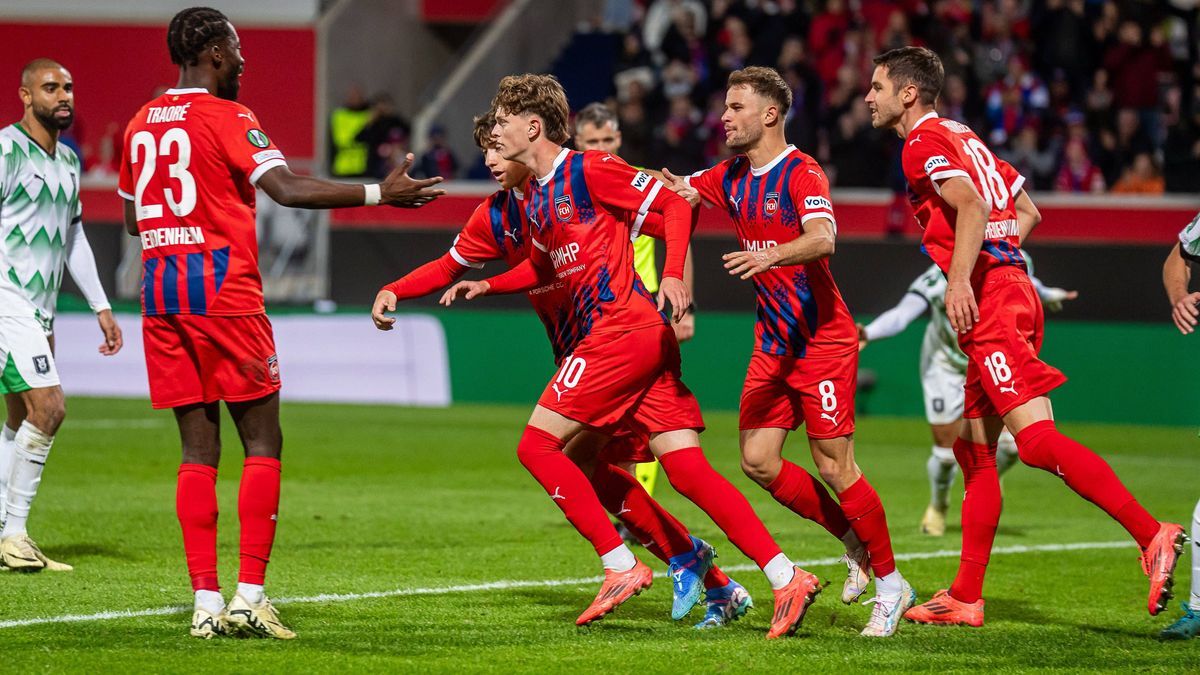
(146, 151)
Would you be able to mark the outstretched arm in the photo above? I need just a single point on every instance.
(422, 281)
(895, 320)
(307, 192)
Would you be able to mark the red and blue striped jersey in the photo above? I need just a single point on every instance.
(940, 149)
(582, 218)
(190, 164)
(499, 230)
(800, 310)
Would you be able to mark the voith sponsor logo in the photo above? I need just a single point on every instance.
(758, 244)
(565, 255)
(640, 181)
(169, 113)
(811, 203)
(171, 236)
(935, 162)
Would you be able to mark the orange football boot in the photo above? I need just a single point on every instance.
(616, 589)
(944, 610)
(791, 603)
(1158, 562)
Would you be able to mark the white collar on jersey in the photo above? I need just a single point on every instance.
(542, 180)
(518, 193)
(191, 90)
(929, 115)
(771, 164)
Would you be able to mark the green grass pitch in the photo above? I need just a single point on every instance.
(407, 503)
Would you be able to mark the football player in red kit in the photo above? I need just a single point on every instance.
(192, 160)
(621, 359)
(975, 213)
(499, 230)
(804, 366)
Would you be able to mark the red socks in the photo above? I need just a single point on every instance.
(801, 492)
(196, 507)
(694, 478)
(258, 506)
(541, 454)
(660, 532)
(624, 497)
(863, 509)
(980, 515)
(1041, 445)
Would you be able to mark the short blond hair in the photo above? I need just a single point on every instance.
(766, 82)
(540, 95)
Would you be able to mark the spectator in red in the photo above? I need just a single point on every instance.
(826, 39)
(1078, 174)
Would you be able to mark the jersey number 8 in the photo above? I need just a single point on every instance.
(146, 150)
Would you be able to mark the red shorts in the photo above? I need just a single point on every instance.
(630, 380)
(192, 358)
(783, 392)
(1004, 370)
(628, 445)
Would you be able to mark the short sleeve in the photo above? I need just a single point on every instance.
(708, 183)
(1012, 178)
(1189, 240)
(77, 215)
(931, 156)
(247, 147)
(810, 194)
(476, 244)
(617, 185)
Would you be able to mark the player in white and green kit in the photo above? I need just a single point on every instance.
(943, 374)
(40, 224)
(1177, 273)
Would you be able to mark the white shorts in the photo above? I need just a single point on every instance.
(943, 387)
(25, 353)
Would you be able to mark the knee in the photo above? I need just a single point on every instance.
(761, 468)
(49, 413)
(208, 454)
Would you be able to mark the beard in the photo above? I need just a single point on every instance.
(47, 118)
(228, 89)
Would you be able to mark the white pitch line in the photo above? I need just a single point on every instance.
(543, 583)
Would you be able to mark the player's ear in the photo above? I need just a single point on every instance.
(535, 128)
(26, 96)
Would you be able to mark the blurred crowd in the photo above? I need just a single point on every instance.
(1080, 95)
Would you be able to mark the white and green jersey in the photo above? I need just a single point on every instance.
(1189, 240)
(940, 340)
(39, 204)
(928, 294)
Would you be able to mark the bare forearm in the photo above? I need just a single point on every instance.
(808, 247)
(306, 192)
(1177, 274)
(1028, 215)
(968, 240)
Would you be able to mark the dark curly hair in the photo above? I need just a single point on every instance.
(192, 31)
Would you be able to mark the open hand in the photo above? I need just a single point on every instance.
(400, 189)
(468, 290)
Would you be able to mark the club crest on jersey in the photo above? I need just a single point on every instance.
(257, 138)
(41, 364)
(564, 208)
(771, 203)
(273, 367)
